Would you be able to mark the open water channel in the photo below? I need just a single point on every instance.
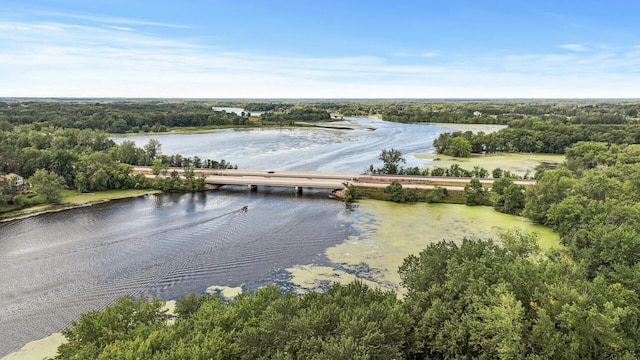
(55, 266)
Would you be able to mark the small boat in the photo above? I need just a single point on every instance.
(244, 208)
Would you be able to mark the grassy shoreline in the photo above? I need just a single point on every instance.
(517, 163)
(72, 200)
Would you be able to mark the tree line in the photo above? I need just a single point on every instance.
(535, 136)
(464, 111)
(146, 115)
(292, 115)
(86, 160)
(117, 116)
(505, 196)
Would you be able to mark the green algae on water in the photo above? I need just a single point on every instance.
(389, 232)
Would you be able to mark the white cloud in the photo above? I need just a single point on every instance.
(110, 19)
(122, 28)
(573, 47)
(58, 59)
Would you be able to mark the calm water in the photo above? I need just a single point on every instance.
(55, 266)
(310, 149)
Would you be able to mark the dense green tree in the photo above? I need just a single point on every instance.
(127, 319)
(552, 187)
(447, 287)
(480, 172)
(596, 184)
(392, 160)
(152, 149)
(481, 300)
(437, 194)
(128, 153)
(507, 197)
(394, 192)
(48, 184)
(474, 193)
(629, 154)
(459, 147)
(413, 195)
(158, 167)
(456, 171)
(588, 155)
(442, 143)
(513, 199)
(200, 183)
(187, 305)
(500, 184)
(189, 176)
(351, 193)
(347, 321)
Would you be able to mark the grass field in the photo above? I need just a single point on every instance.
(517, 163)
(474, 128)
(73, 197)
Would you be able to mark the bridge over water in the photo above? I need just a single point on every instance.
(295, 179)
(325, 180)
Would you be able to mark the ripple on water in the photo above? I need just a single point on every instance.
(159, 245)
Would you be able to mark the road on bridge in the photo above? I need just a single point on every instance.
(326, 180)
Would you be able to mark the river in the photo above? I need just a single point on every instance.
(58, 265)
(307, 149)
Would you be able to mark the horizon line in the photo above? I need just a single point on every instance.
(2, 98)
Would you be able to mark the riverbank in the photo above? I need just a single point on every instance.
(328, 124)
(44, 348)
(47, 347)
(253, 126)
(72, 200)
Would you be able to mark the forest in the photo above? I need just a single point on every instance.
(466, 298)
(115, 116)
(86, 160)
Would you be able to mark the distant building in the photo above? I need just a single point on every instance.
(15, 180)
(477, 113)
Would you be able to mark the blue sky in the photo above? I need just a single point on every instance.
(320, 49)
